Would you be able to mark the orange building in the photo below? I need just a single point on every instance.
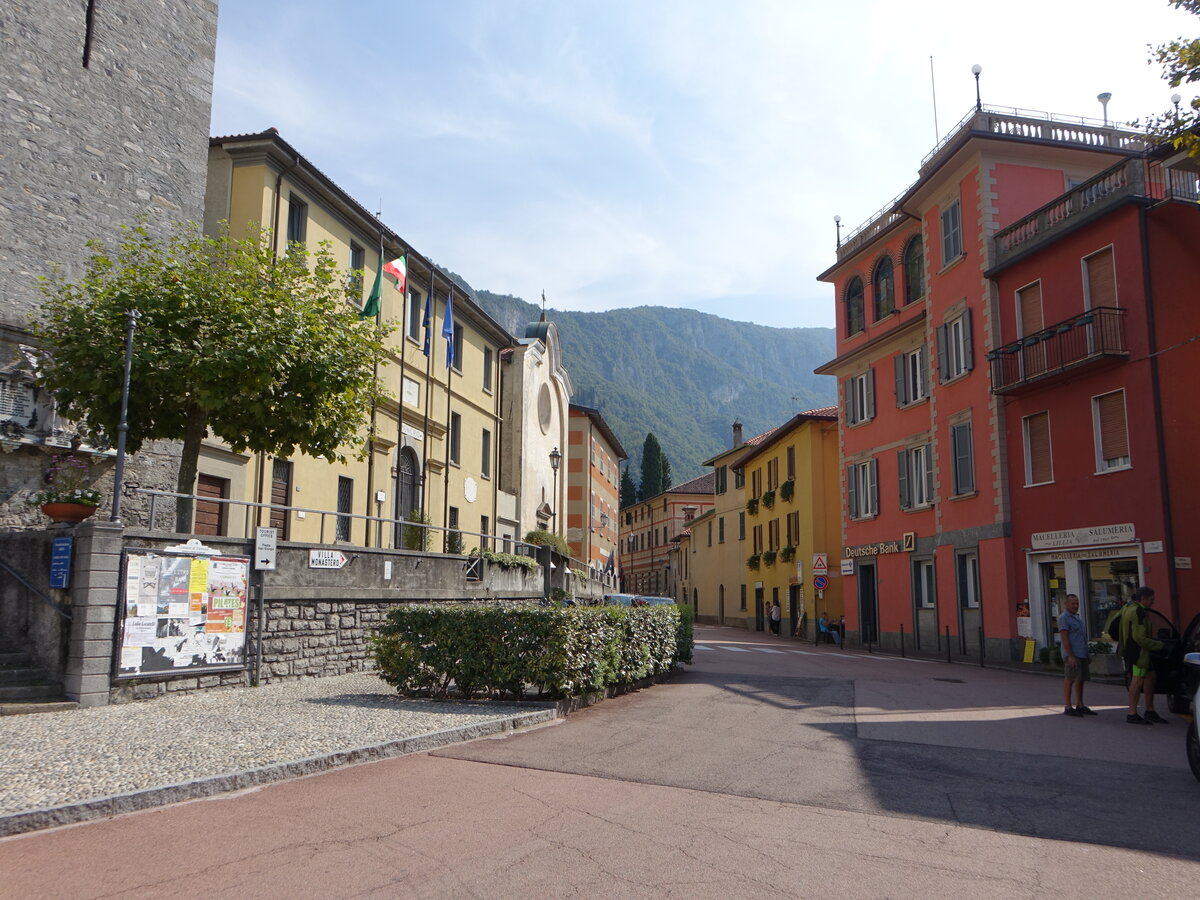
(594, 458)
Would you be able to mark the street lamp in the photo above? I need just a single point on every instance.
(555, 461)
(837, 221)
(603, 528)
(1104, 98)
(975, 70)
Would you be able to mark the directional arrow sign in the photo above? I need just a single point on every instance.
(264, 548)
(326, 559)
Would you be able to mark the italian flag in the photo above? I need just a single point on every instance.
(398, 269)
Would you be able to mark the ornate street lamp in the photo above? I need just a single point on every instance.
(555, 462)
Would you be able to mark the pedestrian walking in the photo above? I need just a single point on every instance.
(1075, 658)
(1136, 647)
(776, 612)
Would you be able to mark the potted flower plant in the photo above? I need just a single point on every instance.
(66, 498)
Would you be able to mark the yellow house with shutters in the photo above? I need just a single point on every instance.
(432, 445)
(793, 514)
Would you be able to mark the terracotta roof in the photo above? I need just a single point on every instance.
(705, 484)
(825, 413)
(821, 411)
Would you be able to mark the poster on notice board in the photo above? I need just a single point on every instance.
(182, 612)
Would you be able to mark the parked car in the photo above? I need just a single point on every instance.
(620, 599)
(647, 600)
(1173, 676)
(1192, 660)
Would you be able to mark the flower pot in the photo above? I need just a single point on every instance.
(68, 512)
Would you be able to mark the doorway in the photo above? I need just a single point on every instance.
(759, 617)
(868, 605)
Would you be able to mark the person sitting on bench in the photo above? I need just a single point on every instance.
(829, 631)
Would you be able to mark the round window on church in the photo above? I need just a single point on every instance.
(544, 408)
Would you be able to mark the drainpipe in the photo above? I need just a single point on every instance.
(1155, 386)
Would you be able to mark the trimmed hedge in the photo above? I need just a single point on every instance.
(501, 652)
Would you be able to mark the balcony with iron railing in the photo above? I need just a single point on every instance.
(1090, 338)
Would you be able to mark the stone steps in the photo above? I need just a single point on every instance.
(26, 687)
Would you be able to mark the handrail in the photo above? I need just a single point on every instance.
(523, 548)
(45, 598)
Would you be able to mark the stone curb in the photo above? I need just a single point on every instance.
(103, 807)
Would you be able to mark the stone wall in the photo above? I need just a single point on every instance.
(86, 150)
(28, 620)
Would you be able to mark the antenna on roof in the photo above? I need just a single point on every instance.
(937, 135)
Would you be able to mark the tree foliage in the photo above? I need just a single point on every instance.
(1180, 62)
(652, 468)
(629, 494)
(266, 353)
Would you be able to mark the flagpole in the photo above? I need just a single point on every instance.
(377, 294)
(428, 394)
(448, 321)
(396, 534)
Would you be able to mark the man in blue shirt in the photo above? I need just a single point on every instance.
(1075, 657)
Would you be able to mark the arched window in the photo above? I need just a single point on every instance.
(914, 270)
(884, 282)
(855, 314)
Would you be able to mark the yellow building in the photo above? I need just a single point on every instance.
(793, 521)
(433, 444)
(713, 557)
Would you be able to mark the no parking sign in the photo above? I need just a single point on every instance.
(820, 582)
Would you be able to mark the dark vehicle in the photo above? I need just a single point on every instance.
(1173, 676)
(647, 600)
(620, 599)
(1192, 660)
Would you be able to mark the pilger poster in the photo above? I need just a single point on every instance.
(182, 612)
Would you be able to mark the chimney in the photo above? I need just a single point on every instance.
(737, 434)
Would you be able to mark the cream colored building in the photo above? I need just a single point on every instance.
(433, 445)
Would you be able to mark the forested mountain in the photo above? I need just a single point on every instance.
(684, 375)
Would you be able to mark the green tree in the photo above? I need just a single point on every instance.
(1180, 61)
(265, 353)
(652, 468)
(666, 472)
(629, 493)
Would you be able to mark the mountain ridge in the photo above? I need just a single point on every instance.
(682, 374)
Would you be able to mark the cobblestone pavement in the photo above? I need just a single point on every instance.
(81, 764)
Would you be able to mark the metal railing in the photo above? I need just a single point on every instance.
(1095, 334)
(38, 594)
(453, 540)
(1010, 121)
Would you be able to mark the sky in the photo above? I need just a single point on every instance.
(686, 153)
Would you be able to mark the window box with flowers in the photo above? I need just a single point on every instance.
(752, 505)
(67, 498)
(752, 562)
(768, 499)
(769, 557)
(787, 490)
(788, 553)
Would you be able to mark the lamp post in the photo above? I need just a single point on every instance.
(131, 319)
(603, 536)
(1104, 98)
(837, 221)
(555, 461)
(1175, 98)
(975, 70)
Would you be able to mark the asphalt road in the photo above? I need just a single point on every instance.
(768, 769)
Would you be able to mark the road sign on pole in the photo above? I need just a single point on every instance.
(265, 548)
(820, 564)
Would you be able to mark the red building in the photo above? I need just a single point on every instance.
(1085, 378)
(648, 529)
(938, 525)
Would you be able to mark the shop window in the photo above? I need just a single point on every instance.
(912, 378)
(855, 312)
(860, 397)
(924, 584)
(968, 580)
(1112, 438)
(1039, 468)
(883, 283)
(914, 270)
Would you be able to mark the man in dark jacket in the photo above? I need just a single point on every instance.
(1136, 647)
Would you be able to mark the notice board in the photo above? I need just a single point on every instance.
(181, 613)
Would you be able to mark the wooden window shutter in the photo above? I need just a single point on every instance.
(1114, 438)
(852, 491)
(902, 478)
(968, 345)
(1030, 300)
(901, 381)
(870, 411)
(1101, 279)
(872, 500)
(943, 353)
(1037, 433)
